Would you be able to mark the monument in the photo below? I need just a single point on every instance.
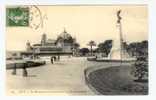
(118, 52)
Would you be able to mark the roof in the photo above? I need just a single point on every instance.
(65, 35)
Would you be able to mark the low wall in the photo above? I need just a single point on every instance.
(21, 64)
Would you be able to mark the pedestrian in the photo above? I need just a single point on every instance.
(52, 60)
(25, 73)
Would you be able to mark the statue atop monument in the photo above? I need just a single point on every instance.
(118, 16)
(118, 52)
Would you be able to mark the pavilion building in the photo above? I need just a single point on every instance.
(63, 44)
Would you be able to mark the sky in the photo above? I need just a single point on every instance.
(85, 23)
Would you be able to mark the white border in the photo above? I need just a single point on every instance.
(152, 44)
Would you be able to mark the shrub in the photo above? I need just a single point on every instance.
(140, 68)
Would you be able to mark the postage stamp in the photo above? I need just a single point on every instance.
(17, 16)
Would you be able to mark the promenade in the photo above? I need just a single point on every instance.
(64, 77)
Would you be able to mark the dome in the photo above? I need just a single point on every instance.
(65, 35)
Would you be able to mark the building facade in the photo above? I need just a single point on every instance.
(63, 44)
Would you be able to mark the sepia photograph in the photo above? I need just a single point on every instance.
(76, 50)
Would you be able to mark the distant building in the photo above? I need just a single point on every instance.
(63, 43)
(44, 39)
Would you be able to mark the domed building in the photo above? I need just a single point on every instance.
(66, 41)
(63, 44)
(65, 35)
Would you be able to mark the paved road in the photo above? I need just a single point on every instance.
(64, 77)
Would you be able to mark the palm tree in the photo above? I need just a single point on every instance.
(91, 44)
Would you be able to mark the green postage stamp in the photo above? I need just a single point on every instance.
(17, 16)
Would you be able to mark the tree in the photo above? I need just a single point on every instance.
(138, 48)
(91, 44)
(84, 51)
(140, 69)
(125, 45)
(105, 47)
(76, 45)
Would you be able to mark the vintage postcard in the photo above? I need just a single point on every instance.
(76, 50)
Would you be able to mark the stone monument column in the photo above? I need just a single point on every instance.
(118, 52)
